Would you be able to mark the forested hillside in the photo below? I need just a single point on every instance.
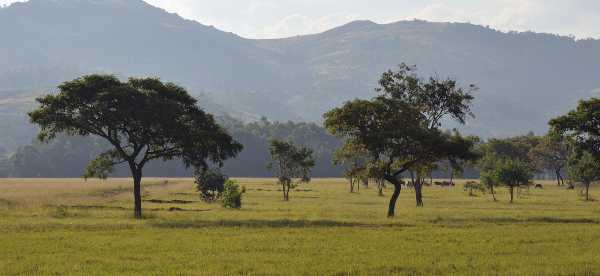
(524, 78)
(74, 153)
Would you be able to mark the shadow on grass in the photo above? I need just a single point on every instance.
(118, 208)
(508, 220)
(279, 223)
(175, 201)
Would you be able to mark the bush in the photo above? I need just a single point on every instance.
(231, 196)
(210, 184)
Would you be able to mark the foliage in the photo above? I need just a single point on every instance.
(582, 126)
(290, 162)
(401, 126)
(143, 120)
(210, 183)
(551, 154)
(472, 187)
(39, 159)
(513, 174)
(583, 167)
(232, 196)
(355, 160)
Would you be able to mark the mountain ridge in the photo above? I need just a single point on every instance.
(525, 78)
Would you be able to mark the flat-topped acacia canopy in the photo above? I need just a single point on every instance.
(143, 119)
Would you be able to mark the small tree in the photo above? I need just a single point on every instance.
(231, 196)
(354, 158)
(585, 168)
(513, 174)
(210, 183)
(490, 181)
(290, 162)
(473, 187)
(143, 120)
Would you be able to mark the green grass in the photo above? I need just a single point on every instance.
(68, 227)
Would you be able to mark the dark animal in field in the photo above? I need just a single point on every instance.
(571, 187)
(444, 184)
(539, 186)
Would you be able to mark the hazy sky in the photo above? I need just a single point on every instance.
(279, 18)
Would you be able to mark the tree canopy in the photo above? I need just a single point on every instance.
(401, 125)
(143, 119)
(290, 162)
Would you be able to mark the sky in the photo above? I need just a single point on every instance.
(284, 18)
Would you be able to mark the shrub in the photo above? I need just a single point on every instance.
(473, 187)
(210, 184)
(231, 196)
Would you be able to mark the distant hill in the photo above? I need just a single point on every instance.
(524, 78)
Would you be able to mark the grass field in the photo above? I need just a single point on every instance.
(68, 226)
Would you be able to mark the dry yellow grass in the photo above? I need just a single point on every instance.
(68, 226)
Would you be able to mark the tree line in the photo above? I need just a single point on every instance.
(398, 132)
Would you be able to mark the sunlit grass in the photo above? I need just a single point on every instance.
(68, 226)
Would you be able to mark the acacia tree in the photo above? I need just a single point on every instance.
(551, 154)
(585, 168)
(143, 119)
(401, 126)
(290, 162)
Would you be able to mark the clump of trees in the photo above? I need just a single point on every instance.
(292, 164)
(400, 128)
(582, 128)
(143, 119)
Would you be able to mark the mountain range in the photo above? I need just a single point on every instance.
(524, 79)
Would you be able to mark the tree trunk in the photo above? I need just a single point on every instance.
(558, 177)
(587, 192)
(137, 193)
(380, 187)
(493, 193)
(285, 188)
(452, 177)
(418, 192)
(395, 195)
(351, 185)
(512, 189)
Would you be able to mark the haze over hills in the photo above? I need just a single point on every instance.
(524, 78)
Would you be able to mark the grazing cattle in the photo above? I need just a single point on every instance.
(539, 186)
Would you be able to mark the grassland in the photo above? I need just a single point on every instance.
(68, 226)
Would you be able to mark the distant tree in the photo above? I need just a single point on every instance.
(142, 119)
(513, 174)
(490, 181)
(551, 154)
(585, 168)
(401, 126)
(472, 187)
(354, 158)
(210, 183)
(290, 162)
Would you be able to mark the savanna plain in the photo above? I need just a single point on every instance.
(72, 226)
